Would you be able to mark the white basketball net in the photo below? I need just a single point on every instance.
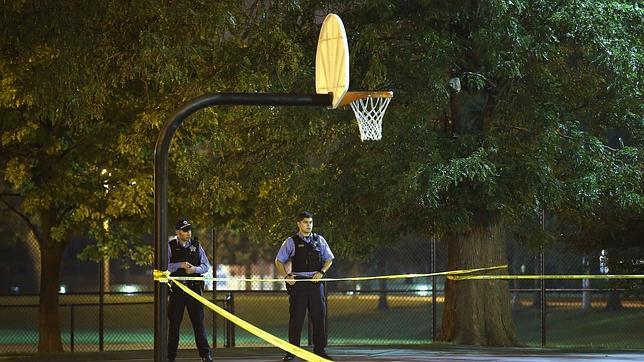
(369, 112)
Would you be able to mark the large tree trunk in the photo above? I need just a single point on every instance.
(478, 312)
(586, 297)
(105, 270)
(34, 253)
(51, 258)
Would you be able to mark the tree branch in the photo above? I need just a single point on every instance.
(560, 135)
(24, 217)
(10, 194)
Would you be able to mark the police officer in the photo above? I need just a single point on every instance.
(311, 258)
(187, 258)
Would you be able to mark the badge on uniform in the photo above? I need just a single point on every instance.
(193, 248)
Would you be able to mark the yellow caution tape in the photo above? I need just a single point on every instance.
(276, 341)
(165, 277)
(161, 276)
(560, 276)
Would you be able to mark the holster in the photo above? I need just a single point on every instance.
(196, 286)
(289, 287)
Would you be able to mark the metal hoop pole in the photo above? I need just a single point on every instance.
(161, 184)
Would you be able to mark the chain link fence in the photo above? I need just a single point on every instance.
(577, 313)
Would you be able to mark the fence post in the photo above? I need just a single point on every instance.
(433, 290)
(227, 341)
(232, 325)
(101, 311)
(309, 330)
(543, 283)
(214, 286)
(326, 314)
(71, 327)
(433, 270)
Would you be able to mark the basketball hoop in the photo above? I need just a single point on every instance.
(332, 77)
(369, 108)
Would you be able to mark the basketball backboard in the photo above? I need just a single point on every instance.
(332, 60)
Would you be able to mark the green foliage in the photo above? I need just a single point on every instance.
(84, 94)
(547, 83)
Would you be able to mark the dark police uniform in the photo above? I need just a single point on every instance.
(179, 300)
(307, 258)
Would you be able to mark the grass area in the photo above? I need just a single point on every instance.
(353, 320)
(566, 327)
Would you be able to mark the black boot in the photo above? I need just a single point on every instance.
(324, 355)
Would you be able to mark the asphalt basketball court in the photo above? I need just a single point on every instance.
(427, 353)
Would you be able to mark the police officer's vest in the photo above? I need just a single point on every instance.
(180, 254)
(308, 256)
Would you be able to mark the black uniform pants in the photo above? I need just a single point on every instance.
(303, 296)
(179, 301)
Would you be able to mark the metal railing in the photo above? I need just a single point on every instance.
(18, 332)
(354, 318)
(554, 314)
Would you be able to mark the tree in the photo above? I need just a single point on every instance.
(85, 88)
(521, 141)
(540, 83)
